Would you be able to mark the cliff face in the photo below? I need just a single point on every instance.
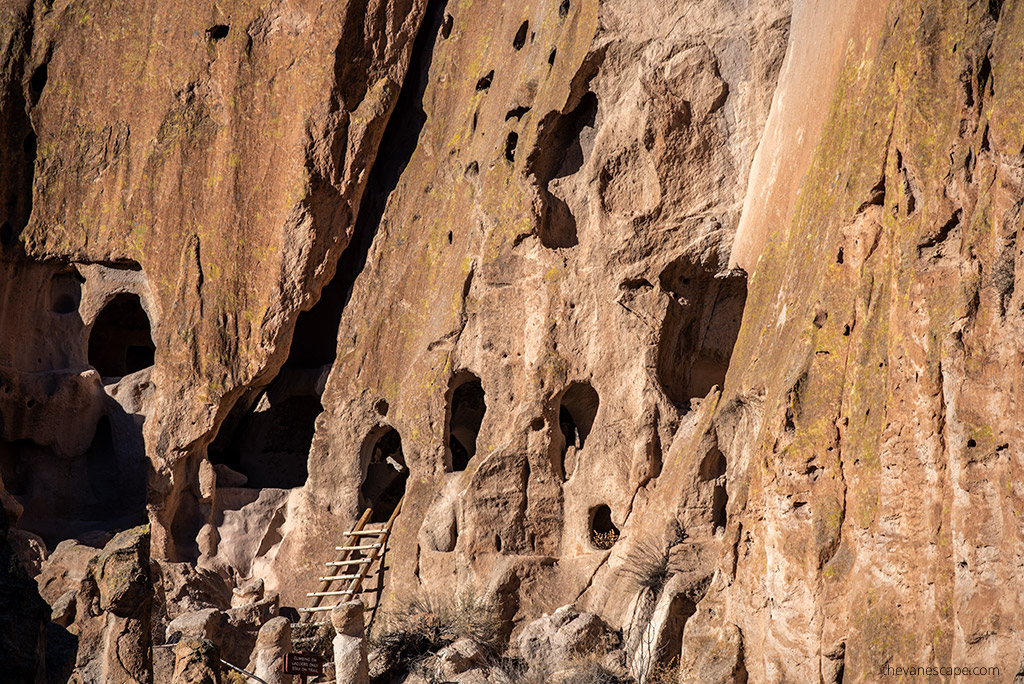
(268, 266)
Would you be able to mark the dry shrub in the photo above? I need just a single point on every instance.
(425, 625)
(604, 540)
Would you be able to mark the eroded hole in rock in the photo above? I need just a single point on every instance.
(551, 58)
(446, 26)
(386, 472)
(218, 31)
(720, 499)
(485, 81)
(576, 413)
(701, 325)
(66, 292)
(564, 141)
(120, 342)
(712, 466)
(520, 38)
(267, 443)
(516, 113)
(510, 146)
(603, 532)
(563, 9)
(108, 492)
(466, 409)
(38, 82)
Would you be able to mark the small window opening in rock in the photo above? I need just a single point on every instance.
(713, 465)
(510, 146)
(551, 58)
(64, 304)
(467, 407)
(382, 407)
(386, 473)
(218, 31)
(485, 81)
(120, 342)
(520, 38)
(603, 532)
(516, 113)
(820, 316)
(720, 500)
(563, 9)
(6, 234)
(839, 256)
(497, 543)
(446, 26)
(971, 443)
(576, 413)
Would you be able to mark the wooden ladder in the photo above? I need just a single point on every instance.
(369, 544)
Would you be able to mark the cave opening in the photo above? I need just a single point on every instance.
(702, 322)
(720, 500)
(603, 532)
(120, 342)
(466, 409)
(576, 413)
(268, 444)
(66, 292)
(564, 142)
(386, 473)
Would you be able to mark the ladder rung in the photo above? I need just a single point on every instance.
(364, 547)
(346, 592)
(365, 533)
(358, 561)
(334, 578)
(317, 609)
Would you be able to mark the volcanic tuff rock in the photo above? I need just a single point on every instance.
(699, 316)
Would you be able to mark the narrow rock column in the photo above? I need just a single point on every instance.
(272, 643)
(350, 658)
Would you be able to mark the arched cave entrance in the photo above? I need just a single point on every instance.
(576, 413)
(120, 342)
(386, 473)
(269, 443)
(466, 409)
(603, 532)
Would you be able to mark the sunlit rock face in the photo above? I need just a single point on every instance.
(699, 316)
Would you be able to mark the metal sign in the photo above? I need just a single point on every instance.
(303, 664)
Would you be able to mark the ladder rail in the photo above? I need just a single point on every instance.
(357, 584)
(325, 585)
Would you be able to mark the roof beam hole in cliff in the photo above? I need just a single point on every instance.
(603, 532)
(576, 413)
(218, 32)
(120, 342)
(520, 38)
(386, 472)
(467, 407)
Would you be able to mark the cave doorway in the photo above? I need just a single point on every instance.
(268, 445)
(603, 532)
(466, 409)
(386, 473)
(120, 342)
(576, 413)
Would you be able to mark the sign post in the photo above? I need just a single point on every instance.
(303, 664)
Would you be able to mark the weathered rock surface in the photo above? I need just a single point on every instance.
(698, 318)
